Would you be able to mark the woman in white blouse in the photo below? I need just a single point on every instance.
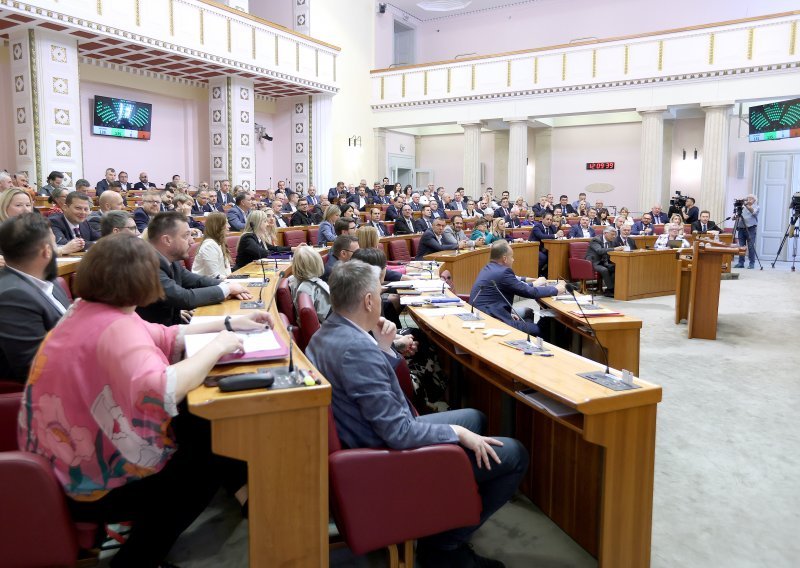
(213, 258)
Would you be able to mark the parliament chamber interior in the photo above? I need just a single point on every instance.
(435, 283)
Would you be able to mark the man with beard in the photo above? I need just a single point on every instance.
(30, 302)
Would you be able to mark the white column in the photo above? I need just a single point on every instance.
(714, 176)
(543, 162)
(651, 160)
(380, 162)
(46, 105)
(301, 138)
(232, 130)
(321, 143)
(472, 158)
(500, 181)
(517, 156)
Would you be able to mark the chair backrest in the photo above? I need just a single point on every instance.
(233, 247)
(398, 250)
(9, 410)
(578, 250)
(415, 245)
(658, 229)
(189, 260)
(307, 319)
(313, 236)
(283, 298)
(64, 286)
(520, 233)
(295, 332)
(390, 228)
(294, 237)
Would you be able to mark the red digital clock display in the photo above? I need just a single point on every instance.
(600, 165)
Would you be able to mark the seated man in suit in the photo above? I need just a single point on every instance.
(375, 221)
(644, 226)
(454, 233)
(201, 205)
(184, 291)
(542, 207)
(566, 207)
(237, 215)
(704, 224)
(425, 222)
(109, 201)
(354, 351)
(404, 225)
(624, 240)
(658, 216)
(115, 222)
(151, 203)
(72, 223)
(597, 254)
(395, 209)
(144, 182)
(432, 241)
(343, 248)
(436, 212)
(102, 185)
(497, 281)
(581, 230)
(31, 302)
(302, 216)
(541, 231)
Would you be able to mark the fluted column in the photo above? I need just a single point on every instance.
(381, 164)
(517, 156)
(472, 158)
(543, 162)
(714, 176)
(321, 142)
(651, 160)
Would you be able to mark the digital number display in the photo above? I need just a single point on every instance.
(600, 165)
(775, 121)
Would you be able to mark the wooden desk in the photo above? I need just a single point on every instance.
(643, 273)
(590, 472)
(466, 264)
(68, 265)
(283, 437)
(619, 335)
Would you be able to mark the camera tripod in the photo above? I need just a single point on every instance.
(739, 225)
(792, 231)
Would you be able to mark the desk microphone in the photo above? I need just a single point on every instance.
(275, 292)
(290, 329)
(516, 313)
(257, 304)
(597, 374)
(475, 299)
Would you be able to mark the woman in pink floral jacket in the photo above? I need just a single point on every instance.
(101, 403)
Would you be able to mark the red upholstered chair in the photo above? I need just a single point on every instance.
(572, 221)
(520, 233)
(390, 228)
(35, 527)
(10, 386)
(307, 319)
(398, 251)
(658, 230)
(233, 247)
(580, 268)
(189, 260)
(415, 245)
(61, 281)
(295, 331)
(283, 298)
(432, 489)
(313, 236)
(294, 237)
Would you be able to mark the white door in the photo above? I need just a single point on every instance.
(777, 173)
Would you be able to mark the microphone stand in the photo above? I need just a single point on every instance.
(530, 346)
(594, 374)
(257, 304)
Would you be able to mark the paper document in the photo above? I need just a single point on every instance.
(568, 298)
(449, 311)
(260, 341)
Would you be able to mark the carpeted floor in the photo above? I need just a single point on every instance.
(727, 481)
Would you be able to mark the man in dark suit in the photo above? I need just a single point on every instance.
(488, 298)
(72, 224)
(624, 240)
(170, 235)
(504, 210)
(54, 181)
(457, 204)
(31, 302)
(541, 231)
(542, 207)
(425, 222)
(302, 216)
(597, 254)
(360, 199)
(237, 215)
(581, 230)
(342, 251)
(311, 197)
(102, 185)
(143, 182)
(124, 185)
(375, 221)
(151, 203)
(109, 201)
(567, 210)
(395, 209)
(224, 195)
(371, 411)
(431, 240)
(659, 217)
(436, 211)
(643, 226)
(704, 224)
(201, 205)
(404, 225)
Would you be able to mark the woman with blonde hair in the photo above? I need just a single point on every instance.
(626, 215)
(213, 257)
(327, 234)
(498, 230)
(258, 239)
(58, 200)
(14, 202)
(307, 269)
(367, 236)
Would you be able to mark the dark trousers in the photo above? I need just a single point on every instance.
(496, 486)
(164, 504)
(542, 261)
(747, 236)
(606, 272)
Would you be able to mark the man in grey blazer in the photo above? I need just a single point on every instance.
(353, 350)
(170, 235)
(31, 302)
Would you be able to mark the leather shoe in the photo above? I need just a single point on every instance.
(609, 293)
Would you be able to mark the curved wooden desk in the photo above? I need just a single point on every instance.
(283, 437)
(591, 472)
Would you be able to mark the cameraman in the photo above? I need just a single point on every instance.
(746, 230)
(690, 212)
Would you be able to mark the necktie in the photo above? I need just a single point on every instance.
(704, 228)
(77, 232)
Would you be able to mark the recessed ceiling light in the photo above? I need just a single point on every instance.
(443, 5)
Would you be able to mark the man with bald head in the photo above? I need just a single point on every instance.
(108, 201)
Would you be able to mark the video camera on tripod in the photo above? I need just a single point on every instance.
(677, 203)
(795, 205)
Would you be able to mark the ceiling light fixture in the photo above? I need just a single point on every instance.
(443, 5)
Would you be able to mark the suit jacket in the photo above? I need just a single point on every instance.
(502, 212)
(567, 209)
(659, 219)
(618, 242)
(489, 299)
(540, 211)
(540, 232)
(429, 243)
(403, 226)
(392, 214)
(710, 226)
(183, 290)
(421, 225)
(300, 218)
(513, 223)
(382, 231)
(457, 206)
(576, 232)
(597, 253)
(101, 186)
(26, 315)
(359, 202)
(329, 264)
(368, 405)
(639, 228)
(250, 249)
(64, 233)
(141, 218)
(140, 185)
(224, 198)
(236, 218)
(312, 200)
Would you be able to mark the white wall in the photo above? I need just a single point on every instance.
(444, 155)
(686, 174)
(276, 11)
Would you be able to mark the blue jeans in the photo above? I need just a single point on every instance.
(747, 236)
(496, 486)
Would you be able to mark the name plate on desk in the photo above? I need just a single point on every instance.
(600, 378)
